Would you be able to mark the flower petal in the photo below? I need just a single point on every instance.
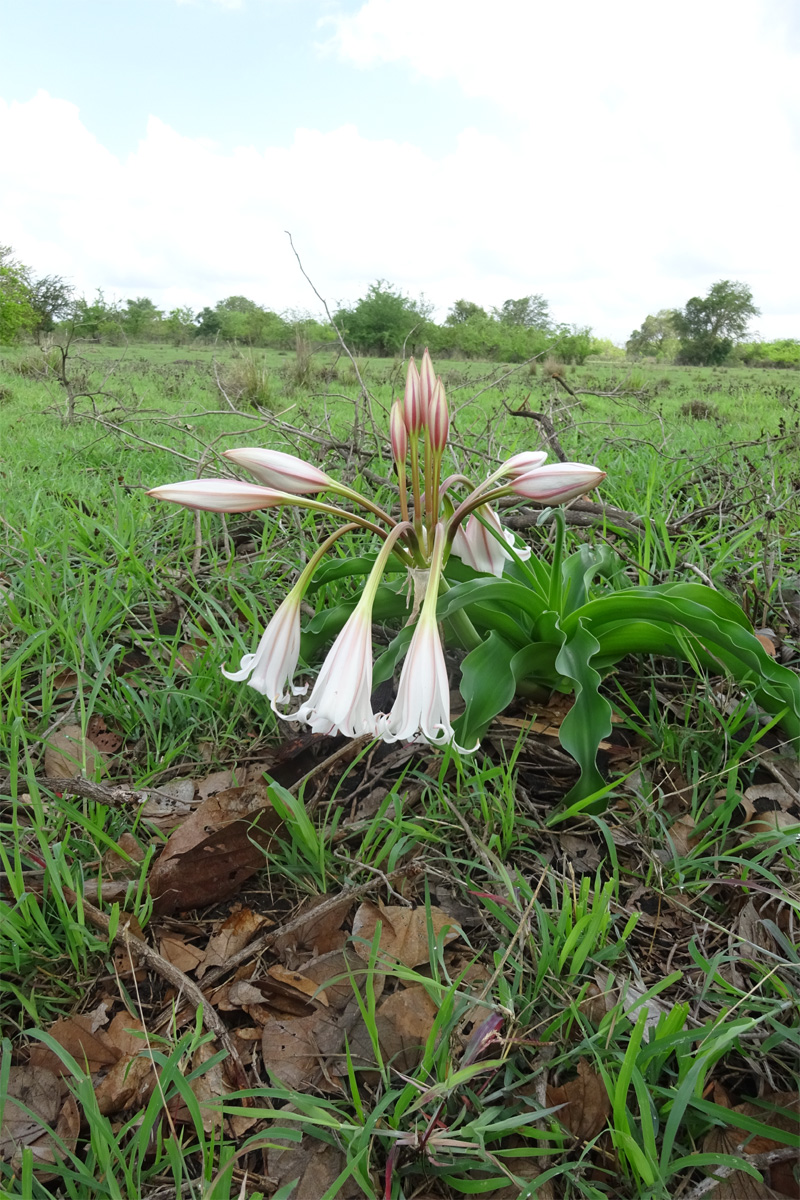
(340, 700)
(277, 469)
(274, 663)
(557, 482)
(218, 495)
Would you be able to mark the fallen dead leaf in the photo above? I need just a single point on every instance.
(314, 1164)
(779, 1181)
(232, 936)
(182, 954)
(220, 845)
(586, 1103)
(404, 1021)
(69, 754)
(404, 931)
(38, 1090)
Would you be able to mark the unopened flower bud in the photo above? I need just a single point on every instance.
(398, 432)
(438, 417)
(412, 409)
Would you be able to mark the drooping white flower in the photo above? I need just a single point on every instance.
(478, 548)
(340, 699)
(273, 665)
(422, 706)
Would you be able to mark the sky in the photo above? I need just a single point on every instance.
(615, 156)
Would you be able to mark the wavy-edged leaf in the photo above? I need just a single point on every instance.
(488, 685)
(695, 618)
(589, 719)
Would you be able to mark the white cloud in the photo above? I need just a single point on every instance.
(606, 231)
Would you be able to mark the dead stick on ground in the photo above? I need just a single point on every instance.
(411, 869)
(152, 959)
(767, 1159)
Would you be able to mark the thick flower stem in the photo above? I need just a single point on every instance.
(463, 629)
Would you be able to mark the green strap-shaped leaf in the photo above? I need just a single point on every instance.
(488, 685)
(486, 591)
(717, 632)
(589, 719)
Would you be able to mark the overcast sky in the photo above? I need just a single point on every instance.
(616, 156)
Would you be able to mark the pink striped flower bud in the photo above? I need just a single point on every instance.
(398, 433)
(277, 469)
(438, 418)
(427, 384)
(557, 482)
(412, 410)
(219, 495)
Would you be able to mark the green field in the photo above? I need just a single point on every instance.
(618, 982)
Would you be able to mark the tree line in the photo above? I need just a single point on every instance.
(386, 321)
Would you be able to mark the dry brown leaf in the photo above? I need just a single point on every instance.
(779, 1182)
(182, 954)
(404, 1022)
(314, 1164)
(91, 1049)
(299, 982)
(215, 850)
(586, 1103)
(69, 754)
(232, 936)
(117, 867)
(38, 1090)
(404, 932)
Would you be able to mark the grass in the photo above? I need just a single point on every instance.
(622, 981)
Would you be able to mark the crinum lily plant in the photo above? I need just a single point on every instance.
(528, 627)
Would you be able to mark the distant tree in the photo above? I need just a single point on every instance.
(531, 311)
(465, 310)
(141, 319)
(710, 326)
(383, 320)
(17, 314)
(656, 336)
(573, 344)
(179, 326)
(51, 300)
(208, 323)
(97, 319)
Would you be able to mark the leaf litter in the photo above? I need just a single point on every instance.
(297, 1017)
